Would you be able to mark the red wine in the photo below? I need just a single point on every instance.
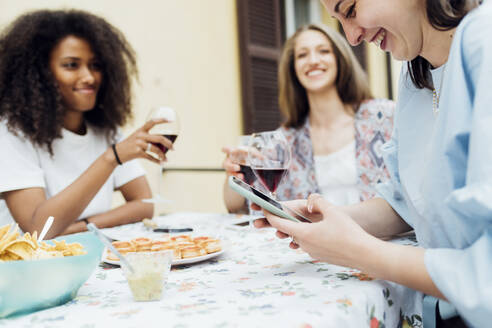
(171, 137)
(249, 176)
(270, 177)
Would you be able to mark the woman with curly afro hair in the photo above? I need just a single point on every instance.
(65, 89)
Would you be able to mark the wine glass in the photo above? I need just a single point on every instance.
(269, 156)
(240, 156)
(169, 130)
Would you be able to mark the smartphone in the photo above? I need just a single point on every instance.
(265, 201)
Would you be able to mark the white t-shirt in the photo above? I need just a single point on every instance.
(23, 165)
(336, 174)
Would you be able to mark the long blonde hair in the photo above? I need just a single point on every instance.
(351, 81)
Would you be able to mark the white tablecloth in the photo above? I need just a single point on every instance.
(257, 282)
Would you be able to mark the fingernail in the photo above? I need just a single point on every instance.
(310, 207)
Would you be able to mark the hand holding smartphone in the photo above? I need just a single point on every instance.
(265, 201)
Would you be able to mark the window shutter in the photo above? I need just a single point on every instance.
(261, 36)
(389, 76)
(360, 54)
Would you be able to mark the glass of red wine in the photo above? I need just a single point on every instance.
(169, 130)
(269, 156)
(240, 156)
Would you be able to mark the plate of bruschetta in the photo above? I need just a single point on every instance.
(186, 248)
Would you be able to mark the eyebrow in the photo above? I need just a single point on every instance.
(319, 45)
(78, 58)
(337, 6)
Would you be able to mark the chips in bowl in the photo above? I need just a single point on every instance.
(14, 247)
(35, 276)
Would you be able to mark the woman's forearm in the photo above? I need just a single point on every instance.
(234, 202)
(130, 212)
(68, 205)
(377, 217)
(399, 263)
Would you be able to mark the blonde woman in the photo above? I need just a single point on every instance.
(333, 124)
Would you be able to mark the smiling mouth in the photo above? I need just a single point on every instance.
(85, 90)
(379, 37)
(315, 72)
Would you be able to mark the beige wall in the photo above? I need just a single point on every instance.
(188, 59)
(395, 73)
(378, 73)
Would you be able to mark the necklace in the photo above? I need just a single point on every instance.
(436, 95)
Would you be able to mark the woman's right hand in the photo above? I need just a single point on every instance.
(231, 167)
(137, 144)
(298, 205)
(335, 237)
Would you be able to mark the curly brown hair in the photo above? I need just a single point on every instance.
(30, 101)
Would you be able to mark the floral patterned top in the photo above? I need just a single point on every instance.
(373, 127)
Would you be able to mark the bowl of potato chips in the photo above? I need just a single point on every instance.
(36, 275)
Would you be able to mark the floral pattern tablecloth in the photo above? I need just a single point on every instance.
(258, 282)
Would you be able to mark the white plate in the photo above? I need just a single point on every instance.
(174, 262)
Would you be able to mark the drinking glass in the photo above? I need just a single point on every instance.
(240, 156)
(168, 129)
(269, 156)
(149, 275)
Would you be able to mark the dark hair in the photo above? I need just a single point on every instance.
(351, 81)
(30, 101)
(443, 15)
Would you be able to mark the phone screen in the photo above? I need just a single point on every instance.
(272, 201)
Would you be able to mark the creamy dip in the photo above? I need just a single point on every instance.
(146, 286)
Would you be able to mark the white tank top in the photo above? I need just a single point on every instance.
(336, 174)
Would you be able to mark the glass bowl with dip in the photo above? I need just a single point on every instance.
(149, 273)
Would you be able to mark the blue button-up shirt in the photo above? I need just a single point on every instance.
(441, 168)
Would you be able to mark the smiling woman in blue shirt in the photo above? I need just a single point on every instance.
(439, 157)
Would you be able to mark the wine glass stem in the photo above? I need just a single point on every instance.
(159, 182)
